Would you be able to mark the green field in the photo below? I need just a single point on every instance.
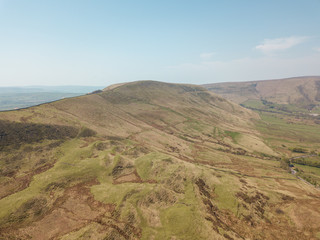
(282, 127)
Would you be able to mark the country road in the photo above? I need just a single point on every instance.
(294, 172)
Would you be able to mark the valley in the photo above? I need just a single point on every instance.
(289, 117)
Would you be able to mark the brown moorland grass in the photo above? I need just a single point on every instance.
(168, 161)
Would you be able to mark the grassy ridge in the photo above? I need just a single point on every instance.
(166, 162)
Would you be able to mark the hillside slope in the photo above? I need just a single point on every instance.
(303, 92)
(147, 160)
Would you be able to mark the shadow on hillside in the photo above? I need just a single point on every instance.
(14, 133)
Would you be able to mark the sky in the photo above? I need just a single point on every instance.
(82, 42)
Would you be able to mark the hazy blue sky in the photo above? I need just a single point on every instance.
(77, 42)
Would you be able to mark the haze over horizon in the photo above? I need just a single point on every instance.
(101, 43)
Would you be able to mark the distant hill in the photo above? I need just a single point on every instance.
(152, 160)
(298, 93)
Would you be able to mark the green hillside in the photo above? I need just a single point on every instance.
(151, 160)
